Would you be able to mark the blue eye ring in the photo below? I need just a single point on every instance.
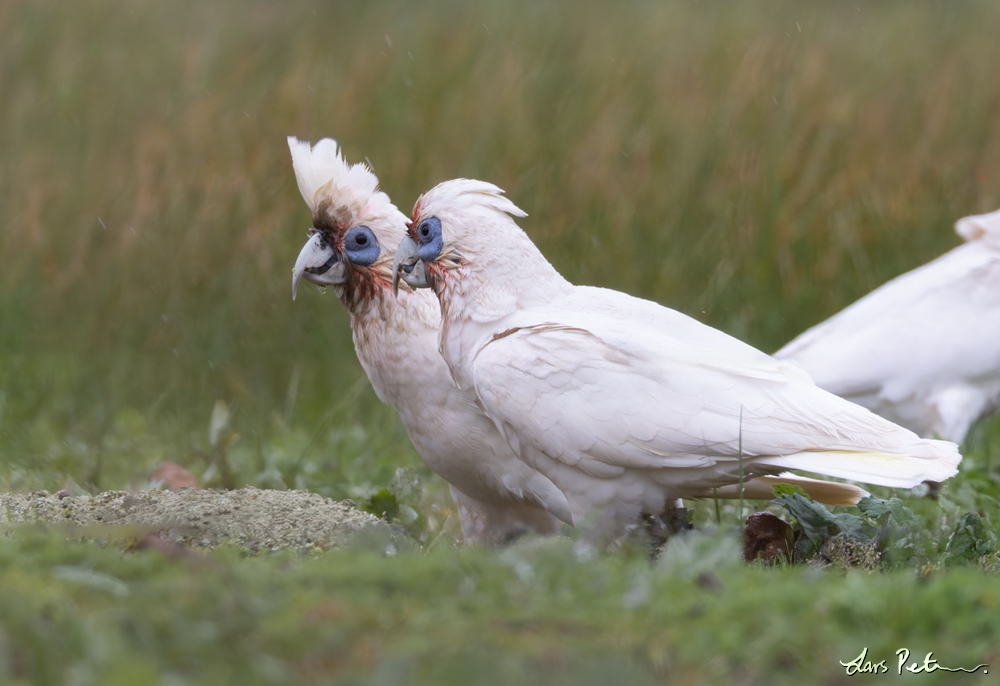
(361, 246)
(431, 240)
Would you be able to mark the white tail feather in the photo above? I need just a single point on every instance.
(936, 461)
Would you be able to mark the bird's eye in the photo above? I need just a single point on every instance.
(428, 230)
(361, 246)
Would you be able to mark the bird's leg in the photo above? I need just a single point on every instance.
(659, 528)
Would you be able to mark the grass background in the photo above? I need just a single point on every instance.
(757, 165)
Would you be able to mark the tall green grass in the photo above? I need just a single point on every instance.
(758, 165)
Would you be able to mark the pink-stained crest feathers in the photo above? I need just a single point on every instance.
(459, 195)
(336, 192)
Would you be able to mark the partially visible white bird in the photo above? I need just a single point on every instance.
(622, 404)
(922, 350)
(357, 230)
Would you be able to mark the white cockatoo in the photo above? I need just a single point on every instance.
(922, 350)
(623, 404)
(357, 230)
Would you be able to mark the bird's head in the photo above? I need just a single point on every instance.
(356, 226)
(453, 224)
(463, 244)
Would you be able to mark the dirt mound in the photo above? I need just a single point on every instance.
(259, 520)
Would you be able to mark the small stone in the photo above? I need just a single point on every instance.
(173, 476)
(767, 538)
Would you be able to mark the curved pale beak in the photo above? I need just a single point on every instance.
(408, 266)
(317, 262)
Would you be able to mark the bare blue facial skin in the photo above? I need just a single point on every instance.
(431, 241)
(361, 246)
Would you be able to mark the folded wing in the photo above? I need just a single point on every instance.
(612, 383)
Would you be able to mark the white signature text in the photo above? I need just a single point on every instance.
(862, 665)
